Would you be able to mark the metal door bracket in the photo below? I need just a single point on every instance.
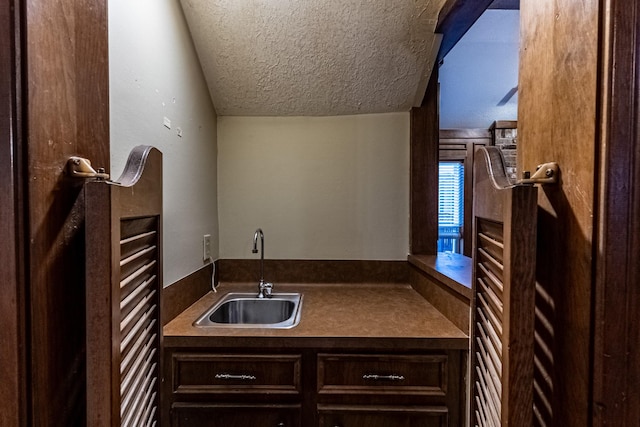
(79, 167)
(546, 173)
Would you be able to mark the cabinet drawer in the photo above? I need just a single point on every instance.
(215, 374)
(365, 416)
(211, 415)
(382, 374)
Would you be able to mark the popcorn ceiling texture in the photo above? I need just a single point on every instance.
(314, 57)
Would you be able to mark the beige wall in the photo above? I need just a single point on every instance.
(155, 73)
(319, 187)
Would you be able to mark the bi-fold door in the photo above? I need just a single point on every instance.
(502, 330)
(124, 283)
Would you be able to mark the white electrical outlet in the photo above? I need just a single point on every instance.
(206, 247)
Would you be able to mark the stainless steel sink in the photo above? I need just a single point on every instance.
(282, 310)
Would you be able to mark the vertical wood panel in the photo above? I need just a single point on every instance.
(616, 383)
(424, 172)
(13, 396)
(67, 84)
(557, 117)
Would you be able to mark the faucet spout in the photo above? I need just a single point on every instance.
(264, 289)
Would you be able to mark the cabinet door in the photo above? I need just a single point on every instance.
(210, 415)
(363, 416)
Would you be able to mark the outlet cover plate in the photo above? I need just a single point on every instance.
(206, 247)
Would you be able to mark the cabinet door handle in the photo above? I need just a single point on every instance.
(236, 377)
(383, 377)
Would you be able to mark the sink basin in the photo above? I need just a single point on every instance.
(282, 310)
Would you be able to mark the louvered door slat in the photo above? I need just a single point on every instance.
(492, 315)
(136, 313)
(130, 279)
(137, 292)
(124, 279)
(144, 342)
(137, 329)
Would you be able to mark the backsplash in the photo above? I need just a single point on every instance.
(314, 271)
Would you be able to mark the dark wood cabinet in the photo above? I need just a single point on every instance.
(398, 390)
(235, 374)
(377, 374)
(228, 415)
(312, 387)
(205, 389)
(367, 416)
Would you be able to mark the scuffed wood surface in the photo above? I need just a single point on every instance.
(557, 122)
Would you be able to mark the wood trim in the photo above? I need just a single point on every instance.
(616, 371)
(465, 134)
(67, 113)
(423, 217)
(14, 403)
(455, 19)
(181, 294)
(505, 4)
(503, 124)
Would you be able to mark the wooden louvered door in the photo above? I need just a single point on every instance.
(124, 280)
(505, 217)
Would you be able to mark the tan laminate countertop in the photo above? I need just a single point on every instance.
(342, 315)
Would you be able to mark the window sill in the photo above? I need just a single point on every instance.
(453, 270)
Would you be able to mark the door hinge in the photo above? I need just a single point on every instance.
(79, 167)
(546, 173)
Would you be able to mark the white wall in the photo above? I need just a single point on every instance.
(479, 71)
(320, 187)
(155, 73)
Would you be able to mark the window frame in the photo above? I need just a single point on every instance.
(461, 145)
(454, 194)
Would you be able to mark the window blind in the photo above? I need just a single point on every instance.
(451, 194)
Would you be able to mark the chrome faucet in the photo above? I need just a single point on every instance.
(264, 288)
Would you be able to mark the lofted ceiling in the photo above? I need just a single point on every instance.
(314, 57)
(479, 76)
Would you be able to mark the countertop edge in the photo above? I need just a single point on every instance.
(439, 267)
(320, 343)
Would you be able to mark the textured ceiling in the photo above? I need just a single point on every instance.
(314, 57)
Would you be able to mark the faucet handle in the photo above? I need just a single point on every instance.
(266, 289)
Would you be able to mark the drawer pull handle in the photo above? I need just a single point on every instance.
(235, 377)
(383, 377)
